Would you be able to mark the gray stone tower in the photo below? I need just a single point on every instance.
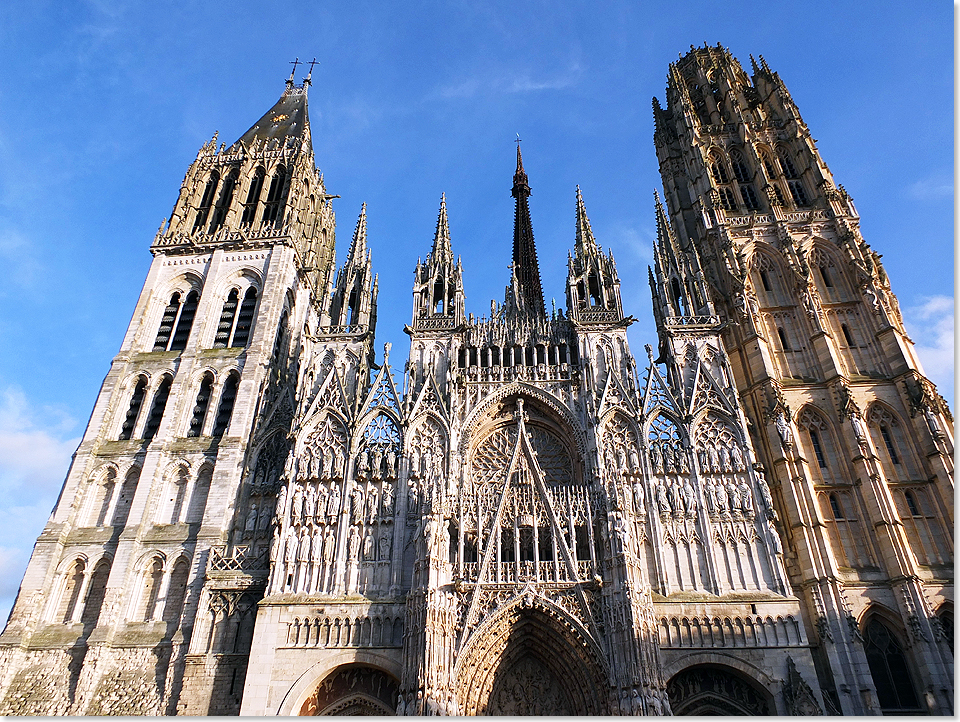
(855, 441)
(130, 601)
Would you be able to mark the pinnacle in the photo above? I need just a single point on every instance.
(585, 241)
(441, 239)
(358, 246)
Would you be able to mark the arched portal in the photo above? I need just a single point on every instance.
(353, 690)
(530, 662)
(706, 689)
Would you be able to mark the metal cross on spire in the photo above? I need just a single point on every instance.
(295, 62)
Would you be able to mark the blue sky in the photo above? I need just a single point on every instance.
(104, 105)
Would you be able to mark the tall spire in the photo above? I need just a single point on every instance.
(585, 242)
(358, 247)
(525, 267)
(286, 124)
(441, 239)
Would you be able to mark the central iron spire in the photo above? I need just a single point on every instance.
(527, 291)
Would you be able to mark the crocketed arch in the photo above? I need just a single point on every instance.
(829, 274)
(897, 456)
(353, 689)
(531, 658)
(892, 670)
(717, 689)
(769, 276)
(819, 445)
(482, 412)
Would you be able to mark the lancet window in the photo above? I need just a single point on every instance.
(896, 458)
(227, 398)
(233, 330)
(157, 408)
(201, 405)
(889, 669)
(917, 510)
(819, 448)
(253, 197)
(841, 510)
(206, 201)
(276, 197)
(223, 201)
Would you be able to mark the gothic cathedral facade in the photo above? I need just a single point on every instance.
(263, 519)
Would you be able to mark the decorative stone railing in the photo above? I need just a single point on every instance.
(540, 372)
(598, 316)
(238, 559)
(434, 324)
(527, 571)
(351, 330)
(747, 631)
(684, 321)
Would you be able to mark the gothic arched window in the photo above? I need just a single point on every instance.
(185, 322)
(95, 593)
(241, 334)
(922, 525)
(227, 398)
(133, 412)
(889, 669)
(224, 201)
(102, 492)
(121, 510)
(72, 589)
(227, 317)
(176, 591)
(150, 595)
(198, 497)
(819, 448)
(276, 196)
(156, 410)
(744, 176)
(206, 201)
(845, 532)
(253, 197)
(167, 322)
(893, 449)
(200, 408)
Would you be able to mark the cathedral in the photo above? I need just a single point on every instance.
(268, 514)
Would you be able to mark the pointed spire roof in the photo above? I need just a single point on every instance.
(585, 242)
(288, 118)
(525, 266)
(441, 239)
(358, 246)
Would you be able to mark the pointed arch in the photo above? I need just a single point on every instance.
(529, 632)
(820, 446)
(893, 671)
(894, 447)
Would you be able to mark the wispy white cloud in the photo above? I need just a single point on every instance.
(934, 188)
(503, 83)
(931, 326)
(35, 449)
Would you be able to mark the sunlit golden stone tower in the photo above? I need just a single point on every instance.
(855, 440)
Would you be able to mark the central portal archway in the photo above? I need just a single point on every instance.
(528, 661)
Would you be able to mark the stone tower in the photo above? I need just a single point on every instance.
(766, 258)
(112, 613)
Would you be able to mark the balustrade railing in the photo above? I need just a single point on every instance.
(527, 571)
(238, 559)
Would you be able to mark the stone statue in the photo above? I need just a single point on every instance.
(391, 464)
(372, 504)
(783, 429)
(386, 543)
(662, 500)
(333, 503)
(368, 551)
(746, 498)
(387, 500)
(353, 544)
(363, 464)
(356, 505)
(297, 506)
(251, 523)
(736, 457)
(329, 547)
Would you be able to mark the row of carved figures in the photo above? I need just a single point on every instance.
(319, 503)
